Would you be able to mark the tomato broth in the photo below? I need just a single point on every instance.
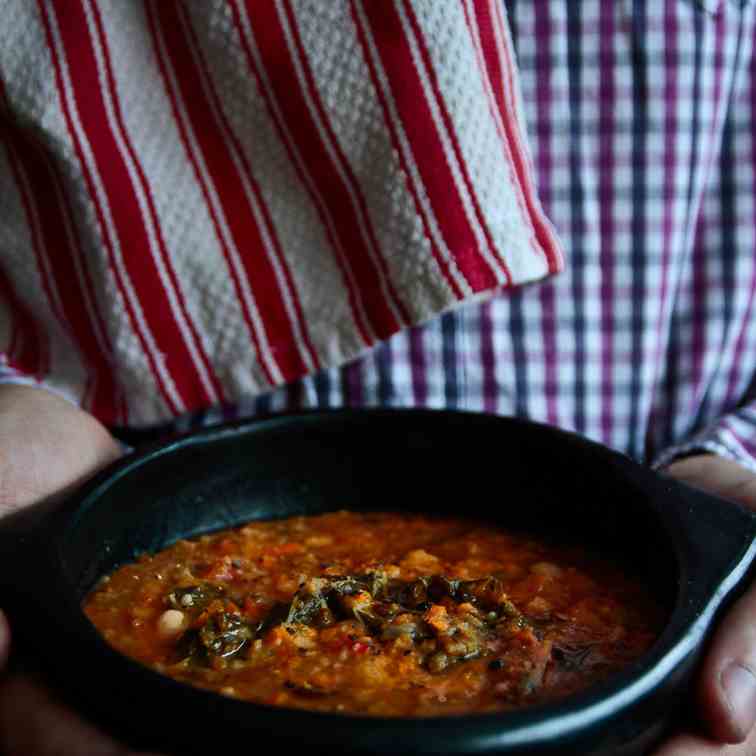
(379, 614)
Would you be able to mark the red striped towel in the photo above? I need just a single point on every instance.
(202, 200)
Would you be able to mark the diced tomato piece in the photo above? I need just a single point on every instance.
(437, 618)
(227, 546)
(253, 609)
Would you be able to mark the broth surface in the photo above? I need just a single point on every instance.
(380, 614)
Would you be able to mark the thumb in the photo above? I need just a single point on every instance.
(727, 684)
(727, 687)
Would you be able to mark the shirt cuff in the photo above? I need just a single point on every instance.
(11, 376)
(732, 437)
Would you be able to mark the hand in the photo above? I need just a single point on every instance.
(726, 688)
(46, 446)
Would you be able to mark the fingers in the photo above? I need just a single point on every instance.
(4, 641)
(727, 687)
(689, 745)
(32, 722)
(727, 683)
(717, 475)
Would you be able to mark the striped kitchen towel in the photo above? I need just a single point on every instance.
(203, 199)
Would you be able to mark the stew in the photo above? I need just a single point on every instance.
(381, 614)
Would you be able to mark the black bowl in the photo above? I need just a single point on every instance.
(693, 551)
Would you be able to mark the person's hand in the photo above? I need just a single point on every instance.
(726, 688)
(46, 446)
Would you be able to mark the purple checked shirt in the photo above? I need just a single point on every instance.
(642, 121)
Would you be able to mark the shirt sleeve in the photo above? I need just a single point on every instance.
(733, 436)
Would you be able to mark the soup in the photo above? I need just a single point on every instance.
(379, 614)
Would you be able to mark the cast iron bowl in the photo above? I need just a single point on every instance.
(692, 550)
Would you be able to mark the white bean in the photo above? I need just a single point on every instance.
(170, 623)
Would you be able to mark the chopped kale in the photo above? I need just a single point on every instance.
(388, 609)
(225, 634)
(193, 598)
(222, 635)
